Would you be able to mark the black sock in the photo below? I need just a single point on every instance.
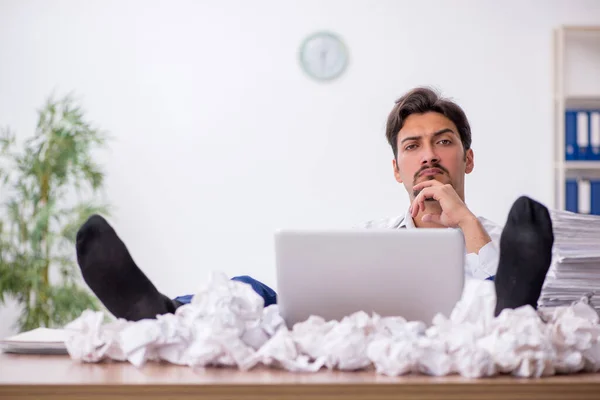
(525, 255)
(111, 273)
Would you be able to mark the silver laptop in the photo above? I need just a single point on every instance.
(412, 273)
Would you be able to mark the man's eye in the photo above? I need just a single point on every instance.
(410, 147)
(445, 141)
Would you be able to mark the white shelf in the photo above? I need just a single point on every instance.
(581, 165)
(581, 28)
(584, 102)
(576, 73)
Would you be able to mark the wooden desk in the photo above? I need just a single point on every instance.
(58, 377)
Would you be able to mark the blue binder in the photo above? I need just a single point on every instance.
(594, 129)
(571, 200)
(571, 149)
(584, 149)
(595, 201)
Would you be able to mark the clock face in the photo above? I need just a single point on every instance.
(323, 56)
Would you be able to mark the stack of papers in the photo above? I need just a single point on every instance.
(575, 269)
(37, 341)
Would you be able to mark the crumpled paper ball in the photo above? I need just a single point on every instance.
(226, 324)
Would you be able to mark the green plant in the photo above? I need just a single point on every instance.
(48, 189)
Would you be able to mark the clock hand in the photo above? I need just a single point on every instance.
(323, 59)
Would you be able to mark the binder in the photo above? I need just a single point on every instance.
(570, 135)
(595, 135)
(583, 136)
(595, 200)
(584, 196)
(571, 195)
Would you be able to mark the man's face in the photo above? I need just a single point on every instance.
(429, 147)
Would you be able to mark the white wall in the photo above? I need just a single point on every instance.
(220, 138)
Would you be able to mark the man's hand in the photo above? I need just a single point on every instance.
(454, 211)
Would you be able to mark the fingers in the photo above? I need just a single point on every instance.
(430, 190)
(419, 201)
(425, 184)
(414, 207)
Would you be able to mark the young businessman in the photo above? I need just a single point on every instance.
(431, 142)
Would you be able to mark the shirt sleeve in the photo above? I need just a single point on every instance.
(484, 264)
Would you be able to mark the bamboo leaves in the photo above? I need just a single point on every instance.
(43, 206)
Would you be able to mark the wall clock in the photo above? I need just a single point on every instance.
(323, 56)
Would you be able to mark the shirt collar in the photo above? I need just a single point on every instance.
(407, 221)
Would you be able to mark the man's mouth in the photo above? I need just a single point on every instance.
(431, 172)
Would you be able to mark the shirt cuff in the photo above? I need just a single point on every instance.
(484, 264)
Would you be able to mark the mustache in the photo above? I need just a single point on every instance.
(423, 168)
(434, 165)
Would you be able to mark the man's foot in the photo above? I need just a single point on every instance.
(525, 255)
(111, 273)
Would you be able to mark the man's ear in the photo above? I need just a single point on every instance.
(396, 171)
(470, 161)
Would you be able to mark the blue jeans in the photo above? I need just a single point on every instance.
(268, 294)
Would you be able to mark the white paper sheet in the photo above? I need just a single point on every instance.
(36, 341)
(575, 269)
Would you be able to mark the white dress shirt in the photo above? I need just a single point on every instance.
(480, 265)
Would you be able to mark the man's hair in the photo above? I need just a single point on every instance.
(421, 100)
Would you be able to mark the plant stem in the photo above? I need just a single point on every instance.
(44, 197)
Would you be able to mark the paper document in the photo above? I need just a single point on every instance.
(575, 268)
(36, 341)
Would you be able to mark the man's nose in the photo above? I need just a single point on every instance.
(429, 156)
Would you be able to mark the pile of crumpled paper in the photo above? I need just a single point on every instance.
(226, 324)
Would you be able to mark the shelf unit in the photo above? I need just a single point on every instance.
(576, 85)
